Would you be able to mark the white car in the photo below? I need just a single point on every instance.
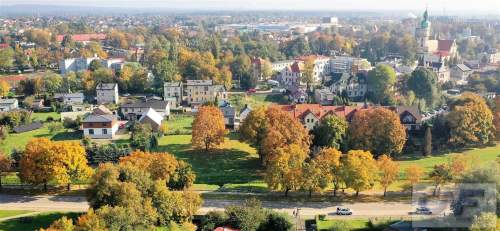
(344, 211)
(423, 211)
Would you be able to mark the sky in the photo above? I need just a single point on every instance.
(438, 6)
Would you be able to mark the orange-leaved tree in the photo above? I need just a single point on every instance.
(377, 130)
(414, 174)
(389, 171)
(5, 166)
(208, 128)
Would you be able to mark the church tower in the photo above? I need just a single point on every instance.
(423, 35)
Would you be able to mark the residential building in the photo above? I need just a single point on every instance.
(323, 96)
(349, 64)
(133, 111)
(231, 117)
(75, 64)
(201, 91)
(107, 93)
(37, 104)
(244, 112)
(460, 73)
(70, 98)
(441, 70)
(322, 66)
(153, 118)
(280, 65)
(8, 104)
(291, 75)
(173, 90)
(353, 86)
(257, 65)
(311, 114)
(100, 126)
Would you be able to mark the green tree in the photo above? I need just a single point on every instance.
(142, 136)
(330, 132)
(6, 58)
(440, 175)
(423, 82)
(381, 82)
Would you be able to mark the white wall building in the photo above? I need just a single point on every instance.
(8, 104)
(107, 93)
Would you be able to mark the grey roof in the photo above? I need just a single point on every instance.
(246, 107)
(106, 86)
(28, 127)
(172, 84)
(155, 104)
(91, 118)
(228, 111)
(337, 77)
(199, 82)
(463, 67)
(8, 101)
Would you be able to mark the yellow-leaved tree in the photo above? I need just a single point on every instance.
(4, 88)
(389, 171)
(61, 162)
(321, 170)
(414, 174)
(359, 170)
(284, 169)
(208, 128)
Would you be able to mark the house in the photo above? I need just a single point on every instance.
(323, 96)
(107, 93)
(102, 110)
(311, 114)
(322, 66)
(353, 86)
(441, 70)
(291, 75)
(280, 65)
(8, 104)
(201, 91)
(231, 118)
(83, 64)
(257, 65)
(133, 111)
(153, 118)
(244, 112)
(460, 73)
(338, 82)
(100, 126)
(70, 98)
(173, 90)
(347, 64)
(37, 104)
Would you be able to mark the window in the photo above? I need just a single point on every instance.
(104, 131)
(91, 131)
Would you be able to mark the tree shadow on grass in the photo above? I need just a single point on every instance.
(34, 222)
(68, 135)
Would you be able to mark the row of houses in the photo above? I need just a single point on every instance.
(311, 114)
(194, 92)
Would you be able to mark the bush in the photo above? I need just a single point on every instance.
(276, 222)
(54, 127)
(213, 219)
(49, 119)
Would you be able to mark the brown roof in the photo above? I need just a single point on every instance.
(102, 110)
(445, 45)
(296, 67)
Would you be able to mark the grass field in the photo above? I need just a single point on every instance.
(18, 141)
(233, 162)
(10, 213)
(35, 222)
(239, 101)
(180, 124)
(42, 116)
(354, 224)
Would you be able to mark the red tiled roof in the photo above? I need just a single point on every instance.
(13, 80)
(445, 45)
(299, 111)
(83, 37)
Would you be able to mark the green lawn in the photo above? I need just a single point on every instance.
(353, 224)
(42, 116)
(481, 156)
(10, 213)
(256, 100)
(233, 162)
(18, 141)
(179, 124)
(35, 222)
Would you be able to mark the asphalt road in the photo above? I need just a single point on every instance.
(79, 204)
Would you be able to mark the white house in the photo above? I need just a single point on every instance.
(153, 118)
(100, 126)
(107, 93)
(70, 98)
(8, 104)
(173, 90)
(134, 111)
(460, 73)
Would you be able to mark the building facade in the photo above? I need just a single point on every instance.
(107, 93)
(201, 91)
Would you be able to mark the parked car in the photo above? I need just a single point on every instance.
(251, 90)
(423, 211)
(344, 211)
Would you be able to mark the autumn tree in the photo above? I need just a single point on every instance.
(378, 130)
(284, 168)
(358, 169)
(389, 171)
(321, 170)
(5, 166)
(4, 88)
(308, 72)
(330, 132)
(414, 174)
(253, 128)
(440, 175)
(496, 117)
(470, 120)
(62, 162)
(208, 128)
